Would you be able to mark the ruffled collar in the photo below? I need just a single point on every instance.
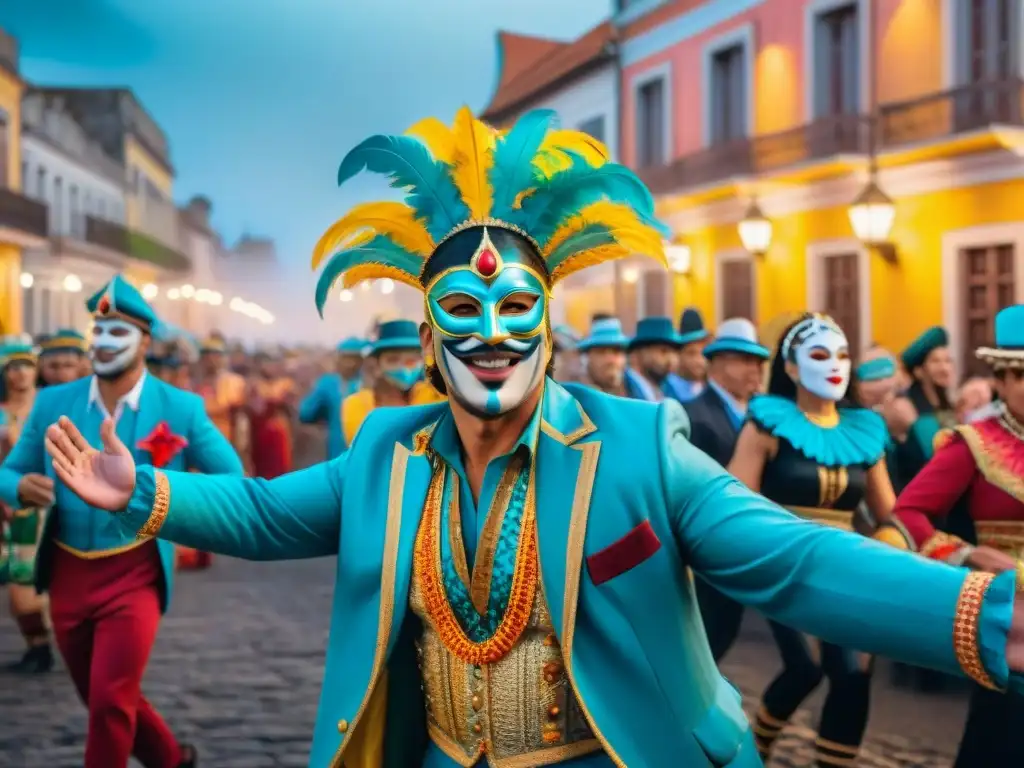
(857, 439)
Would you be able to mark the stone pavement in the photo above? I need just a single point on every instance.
(237, 670)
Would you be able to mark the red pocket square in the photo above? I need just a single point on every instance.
(626, 553)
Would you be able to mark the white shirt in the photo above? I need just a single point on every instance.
(132, 398)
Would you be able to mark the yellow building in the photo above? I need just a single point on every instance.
(799, 118)
(22, 221)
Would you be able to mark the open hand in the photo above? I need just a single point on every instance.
(104, 479)
(990, 560)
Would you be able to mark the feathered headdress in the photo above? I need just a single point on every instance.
(554, 187)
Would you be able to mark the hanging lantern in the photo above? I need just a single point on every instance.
(755, 231)
(872, 214)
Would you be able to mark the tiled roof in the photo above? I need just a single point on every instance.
(532, 65)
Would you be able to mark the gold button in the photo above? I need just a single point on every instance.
(550, 678)
(477, 672)
(551, 641)
(477, 728)
(342, 726)
(554, 712)
(476, 701)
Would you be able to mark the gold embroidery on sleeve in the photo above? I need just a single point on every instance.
(161, 504)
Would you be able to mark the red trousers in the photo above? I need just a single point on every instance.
(105, 614)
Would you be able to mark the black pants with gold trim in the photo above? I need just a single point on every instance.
(992, 735)
(844, 716)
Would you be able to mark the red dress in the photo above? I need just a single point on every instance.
(983, 464)
(271, 427)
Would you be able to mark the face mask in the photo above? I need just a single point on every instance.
(121, 350)
(404, 378)
(823, 361)
(490, 362)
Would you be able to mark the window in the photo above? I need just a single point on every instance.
(728, 94)
(841, 290)
(101, 208)
(594, 128)
(41, 183)
(76, 216)
(737, 291)
(650, 123)
(988, 284)
(836, 74)
(57, 209)
(987, 57)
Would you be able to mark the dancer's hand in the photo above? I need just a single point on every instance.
(35, 490)
(990, 560)
(104, 479)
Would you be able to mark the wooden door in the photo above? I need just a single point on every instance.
(842, 288)
(655, 289)
(988, 284)
(738, 289)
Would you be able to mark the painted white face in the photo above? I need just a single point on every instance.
(115, 347)
(823, 362)
(491, 392)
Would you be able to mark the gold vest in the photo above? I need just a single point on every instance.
(520, 711)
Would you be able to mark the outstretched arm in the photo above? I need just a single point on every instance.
(293, 516)
(839, 586)
(313, 408)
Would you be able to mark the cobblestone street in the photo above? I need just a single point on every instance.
(237, 671)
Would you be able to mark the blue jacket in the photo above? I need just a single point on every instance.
(85, 528)
(634, 645)
(323, 404)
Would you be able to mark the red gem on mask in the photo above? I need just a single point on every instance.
(104, 305)
(486, 263)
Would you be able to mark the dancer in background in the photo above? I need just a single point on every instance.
(63, 357)
(270, 406)
(821, 461)
(567, 365)
(690, 376)
(653, 352)
(323, 404)
(735, 373)
(979, 468)
(18, 365)
(109, 588)
(397, 357)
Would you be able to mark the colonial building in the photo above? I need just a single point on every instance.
(578, 80)
(862, 158)
(22, 221)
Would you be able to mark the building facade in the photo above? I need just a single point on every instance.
(23, 222)
(579, 81)
(798, 106)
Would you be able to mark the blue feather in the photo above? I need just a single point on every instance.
(380, 250)
(567, 192)
(409, 165)
(591, 236)
(513, 171)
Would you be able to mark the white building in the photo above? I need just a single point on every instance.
(84, 190)
(579, 81)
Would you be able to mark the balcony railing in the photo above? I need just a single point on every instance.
(22, 213)
(961, 110)
(136, 245)
(928, 118)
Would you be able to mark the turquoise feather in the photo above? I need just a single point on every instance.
(513, 171)
(380, 250)
(569, 191)
(409, 165)
(591, 236)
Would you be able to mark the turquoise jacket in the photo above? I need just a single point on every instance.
(323, 404)
(85, 528)
(634, 646)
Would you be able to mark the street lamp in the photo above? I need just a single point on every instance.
(150, 291)
(27, 280)
(345, 295)
(678, 257)
(871, 215)
(387, 286)
(755, 230)
(631, 275)
(173, 294)
(72, 284)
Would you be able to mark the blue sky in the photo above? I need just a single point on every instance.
(260, 105)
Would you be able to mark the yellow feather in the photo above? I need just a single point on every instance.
(437, 136)
(358, 274)
(589, 258)
(522, 195)
(474, 144)
(577, 142)
(392, 219)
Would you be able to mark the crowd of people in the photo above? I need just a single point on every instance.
(865, 503)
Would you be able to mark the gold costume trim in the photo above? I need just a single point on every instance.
(483, 567)
(965, 628)
(1004, 535)
(833, 518)
(989, 464)
(161, 505)
(940, 540)
(96, 554)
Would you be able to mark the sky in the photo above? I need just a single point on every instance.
(260, 99)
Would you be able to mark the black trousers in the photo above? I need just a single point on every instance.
(722, 618)
(844, 717)
(993, 733)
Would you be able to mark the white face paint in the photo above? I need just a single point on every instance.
(823, 362)
(500, 396)
(114, 347)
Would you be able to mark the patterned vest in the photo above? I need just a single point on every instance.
(519, 709)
